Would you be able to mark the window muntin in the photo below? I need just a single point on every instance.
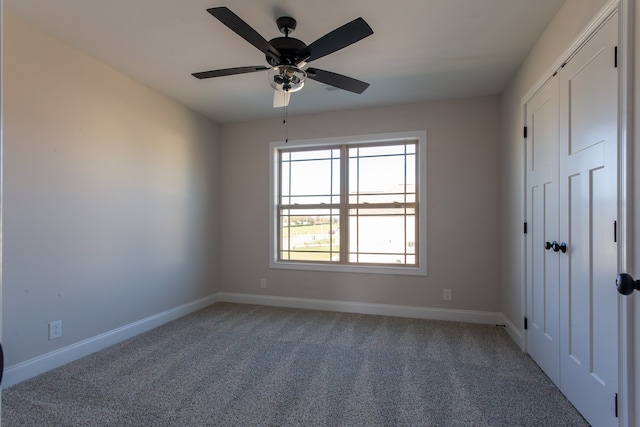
(371, 187)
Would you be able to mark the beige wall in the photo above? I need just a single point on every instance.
(463, 200)
(571, 19)
(110, 190)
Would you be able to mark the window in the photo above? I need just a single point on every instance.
(350, 204)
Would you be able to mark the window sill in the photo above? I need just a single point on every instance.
(341, 268)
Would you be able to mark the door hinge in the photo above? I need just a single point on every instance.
(615, 57)
(525, 132)
(525, 228)
(558, 70)
(615, 405)
(526, 323)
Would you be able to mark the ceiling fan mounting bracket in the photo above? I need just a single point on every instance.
(286, 25)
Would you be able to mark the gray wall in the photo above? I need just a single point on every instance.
(463, 206)
(110, 197)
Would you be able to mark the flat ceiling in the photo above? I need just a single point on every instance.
(421, 50)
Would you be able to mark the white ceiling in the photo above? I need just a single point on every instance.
(420, 50)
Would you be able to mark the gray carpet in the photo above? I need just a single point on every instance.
(244, 365)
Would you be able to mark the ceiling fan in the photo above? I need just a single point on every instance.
(289, 57)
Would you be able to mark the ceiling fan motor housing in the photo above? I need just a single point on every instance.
(291, 51)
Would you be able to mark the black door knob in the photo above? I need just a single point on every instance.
(557, 247)
(626, 285)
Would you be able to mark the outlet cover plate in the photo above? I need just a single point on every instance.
(55, 329)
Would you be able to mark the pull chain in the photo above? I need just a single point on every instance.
(284, 122)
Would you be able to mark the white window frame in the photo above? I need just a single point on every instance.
(420, 136)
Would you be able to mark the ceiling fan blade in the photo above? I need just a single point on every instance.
(244, 30)
(337, 39)
(281, 98)
(228, 72)
(337, 80)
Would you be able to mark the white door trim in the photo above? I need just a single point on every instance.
(627, 401)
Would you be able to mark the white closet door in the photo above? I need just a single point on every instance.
(543, 292)
(588, 210)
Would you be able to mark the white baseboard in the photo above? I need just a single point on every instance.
(38, 365)
(469, 316)
(514, 332)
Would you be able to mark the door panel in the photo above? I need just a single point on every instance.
(572, 197)
(588, 183)
(542, 210)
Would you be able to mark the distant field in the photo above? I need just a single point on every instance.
(306, 229)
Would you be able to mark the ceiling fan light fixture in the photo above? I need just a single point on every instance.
(286, 78)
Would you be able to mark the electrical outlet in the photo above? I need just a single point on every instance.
(446, 295)
(55, 329)
(263, 283)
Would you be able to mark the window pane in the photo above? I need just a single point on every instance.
(381, 174)
(310, 235)
(377, 234)
(396, 259)
(377, 150)
(386, 198)
(315, 200)
(373, 211)
(411, 172)
(335, 189)
(376, 174)
(411, 236)
(310, 177)
(313, 256)
(284, 183)
(314, 154)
